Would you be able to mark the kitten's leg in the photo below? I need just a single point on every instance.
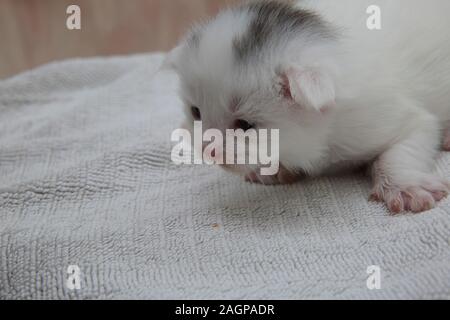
(403, 176)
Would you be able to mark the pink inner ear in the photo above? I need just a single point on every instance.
(309, 88)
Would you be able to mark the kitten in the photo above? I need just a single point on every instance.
(340, 94)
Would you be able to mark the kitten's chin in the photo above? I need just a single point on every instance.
(237, 169)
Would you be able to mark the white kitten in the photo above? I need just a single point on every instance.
(340, 93)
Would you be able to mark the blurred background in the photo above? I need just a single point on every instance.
(33, 32)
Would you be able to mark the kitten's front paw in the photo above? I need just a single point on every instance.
(282, 177)
(415, 198)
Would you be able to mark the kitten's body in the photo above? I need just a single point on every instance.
(408, 59)
(339, 93)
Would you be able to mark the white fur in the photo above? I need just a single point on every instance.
(391, 91)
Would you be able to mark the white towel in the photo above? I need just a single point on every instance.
(86, 179)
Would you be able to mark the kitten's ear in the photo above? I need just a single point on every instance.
(312, 89)
(170, 62)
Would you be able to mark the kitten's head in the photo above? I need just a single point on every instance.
(264, 65)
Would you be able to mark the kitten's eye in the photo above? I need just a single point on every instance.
(242, 124)
(196, 113)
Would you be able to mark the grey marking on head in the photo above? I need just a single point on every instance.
(272, 21)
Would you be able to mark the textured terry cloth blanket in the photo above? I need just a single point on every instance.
(86, 179)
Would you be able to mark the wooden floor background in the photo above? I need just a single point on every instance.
(33, 32)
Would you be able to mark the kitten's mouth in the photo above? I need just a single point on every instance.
(235, 168)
